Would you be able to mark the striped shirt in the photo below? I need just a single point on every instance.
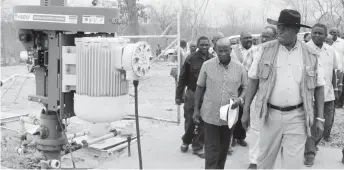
(222, 83)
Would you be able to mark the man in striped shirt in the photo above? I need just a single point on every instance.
(219, 81)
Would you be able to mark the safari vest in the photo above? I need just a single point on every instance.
(267, 76)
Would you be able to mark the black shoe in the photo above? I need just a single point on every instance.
(230, 151)
(200, 153)
(309, 160)
(327, 139)
(184, 148)
(233, 143)
(242, 142)
(252, 166)
(343, 156)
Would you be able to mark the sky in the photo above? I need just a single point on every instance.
(214, 14)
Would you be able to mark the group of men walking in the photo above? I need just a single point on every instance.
(284, 89)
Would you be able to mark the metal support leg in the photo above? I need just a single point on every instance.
(136, 83)
(129, 141)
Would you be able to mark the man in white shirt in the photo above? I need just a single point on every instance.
(338, 44)
(240, 51)
(330, 63)
(286, 77)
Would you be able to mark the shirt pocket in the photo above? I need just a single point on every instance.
(264, 69)
(297, 71)
(311, 79)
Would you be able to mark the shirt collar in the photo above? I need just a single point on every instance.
(297, 45)
(221, 65)
(324, 47)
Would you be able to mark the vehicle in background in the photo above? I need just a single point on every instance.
(235, 39)
(166, 54)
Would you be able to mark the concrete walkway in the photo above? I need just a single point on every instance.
(160, 149)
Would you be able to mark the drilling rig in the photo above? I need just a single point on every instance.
(81, 69)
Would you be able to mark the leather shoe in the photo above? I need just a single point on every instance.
(230, 151)
(184, 148)
(242, 142)
(252, 166)
(309, 160)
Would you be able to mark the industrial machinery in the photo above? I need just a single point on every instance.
(81, 69)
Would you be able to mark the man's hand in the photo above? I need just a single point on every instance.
(236, 103)
(179, 101)
(196, 116)
(245, 119)
(319, 128)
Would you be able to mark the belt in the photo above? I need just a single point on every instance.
(285, 109)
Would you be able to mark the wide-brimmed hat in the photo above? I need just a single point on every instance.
(228, 114)
(288, 17)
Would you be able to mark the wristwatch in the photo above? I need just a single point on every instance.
(320, 119)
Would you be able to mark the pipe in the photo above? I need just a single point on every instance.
(2, 82)
(86, 143)
(179, 62)
(3, 127)
(12, 118)
(149, 36)
(120, 146)
(155, 118)
(75, 135)
(30, 120)
(99, 139)
(54, 164)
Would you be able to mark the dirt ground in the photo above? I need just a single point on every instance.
(160, 142)
(156, 99)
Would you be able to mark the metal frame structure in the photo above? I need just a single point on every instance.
(48, 38)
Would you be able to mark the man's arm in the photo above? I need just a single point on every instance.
(319, 101)
(199, 93)
(183, 78)
(198, 97)
(340, 71)
(244, 84)
(319, 94)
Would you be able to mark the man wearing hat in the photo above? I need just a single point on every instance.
(286, 76)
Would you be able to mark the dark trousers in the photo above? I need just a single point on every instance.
(340, 101)
(216, 144)
(197, 140)
(238, 131)
(313, 141)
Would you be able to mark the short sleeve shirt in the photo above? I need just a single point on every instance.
(289, 73)
(222, 83)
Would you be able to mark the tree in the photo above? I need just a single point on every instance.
(131, 13)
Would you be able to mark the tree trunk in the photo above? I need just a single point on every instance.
(133, 18)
